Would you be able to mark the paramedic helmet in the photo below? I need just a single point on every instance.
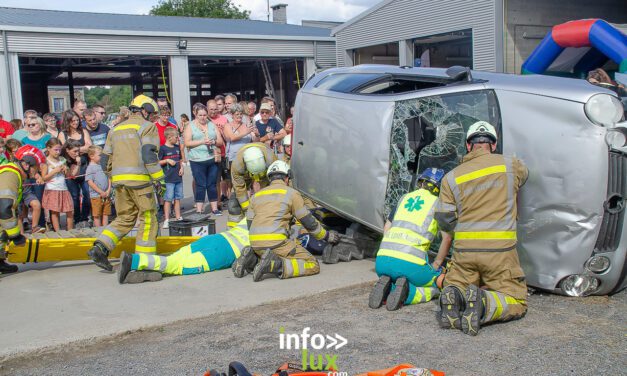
(431, 179)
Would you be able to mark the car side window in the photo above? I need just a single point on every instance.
(430, 132)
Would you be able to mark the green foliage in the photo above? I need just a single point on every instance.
(199, 8)
(111, 98)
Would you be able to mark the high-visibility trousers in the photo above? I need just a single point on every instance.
(500, 276)
(207, 254)
(297, 262)
(421, 278)
(133, 206)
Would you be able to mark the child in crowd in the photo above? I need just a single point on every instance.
(12, 145)
(170, 160)
(99, 188)
(57, 198)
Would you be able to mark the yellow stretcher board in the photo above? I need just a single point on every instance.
(44, 250)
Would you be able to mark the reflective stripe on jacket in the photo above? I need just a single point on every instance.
(270, 214)
(413, 228)
(237, 237)
(130, 146)
(240, 177)
(478, 201)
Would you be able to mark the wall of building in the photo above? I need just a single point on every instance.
(408, 19)
(528, 21)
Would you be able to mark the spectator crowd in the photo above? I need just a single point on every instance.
(72, 184)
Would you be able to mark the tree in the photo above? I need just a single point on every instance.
(199, 8)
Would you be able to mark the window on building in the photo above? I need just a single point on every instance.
(58, 105)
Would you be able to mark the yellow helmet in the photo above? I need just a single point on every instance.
(255, 162)
(144, 102)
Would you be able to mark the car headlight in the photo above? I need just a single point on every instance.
(604, 110)
(579, 285)
(597, 264)
(616, 137)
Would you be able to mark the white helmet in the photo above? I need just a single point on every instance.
(481, 129)
(287, 140)
(254, 160)
(278, 167)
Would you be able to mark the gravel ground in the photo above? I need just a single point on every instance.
(559, 336)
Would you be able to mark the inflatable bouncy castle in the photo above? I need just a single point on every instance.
(576, 47)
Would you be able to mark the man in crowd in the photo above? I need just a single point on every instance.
(478, 205)
(229, 100)
(220, 102)
(252, 109)
(79, 107)
(270, 130)
(207, 254)
(269, 218)
(130, 157)
(100, 113)
(247, 170)
(97, 131)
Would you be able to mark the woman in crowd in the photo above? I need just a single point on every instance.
(51, 125)
(238, 133)
(201, 138)
(36, 137)
(72, 129)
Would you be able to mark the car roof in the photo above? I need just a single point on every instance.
(559, 87)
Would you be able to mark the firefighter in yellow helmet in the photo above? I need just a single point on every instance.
(249, 166)
(130, 157)
(269, 217)
(478, 204)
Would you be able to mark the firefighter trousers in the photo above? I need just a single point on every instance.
(297, 262)
(206, 254)
(421, 278)
(133, 206)
(500, 277)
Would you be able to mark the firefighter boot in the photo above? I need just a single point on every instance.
(397, 297)
(380, 292)
(451, 302)
(6, 268)
(99, 253)
(245, 263)
(471, 318)
(269, 264)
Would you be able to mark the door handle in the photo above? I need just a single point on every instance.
(300, 143)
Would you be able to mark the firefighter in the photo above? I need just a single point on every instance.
(26, 165)
(478, 204)
(402, 263)
(249, 167)
(130, 157)
(207, 254)
(269, 217)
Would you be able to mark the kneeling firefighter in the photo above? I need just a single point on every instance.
(26, 165)
(269, 216)
(248, 167)
(130, 157)
(402, 263)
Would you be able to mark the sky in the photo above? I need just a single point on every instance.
(297, 10)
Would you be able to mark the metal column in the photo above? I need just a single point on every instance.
(406, 53)
(178, 69)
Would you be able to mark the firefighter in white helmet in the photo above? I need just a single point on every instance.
(269, 217)
(248, 167)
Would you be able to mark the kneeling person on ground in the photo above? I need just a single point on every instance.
(402, 263)
(478, 204)
(269, 215)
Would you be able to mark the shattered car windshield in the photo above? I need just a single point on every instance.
(430, 132)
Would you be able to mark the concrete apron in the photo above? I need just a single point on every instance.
(50, 304)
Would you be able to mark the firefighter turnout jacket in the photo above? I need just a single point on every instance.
(478, 201)
(10, 197)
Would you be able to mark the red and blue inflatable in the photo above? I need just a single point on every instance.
(605, 42)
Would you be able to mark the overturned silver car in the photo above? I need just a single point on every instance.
(362, 133)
